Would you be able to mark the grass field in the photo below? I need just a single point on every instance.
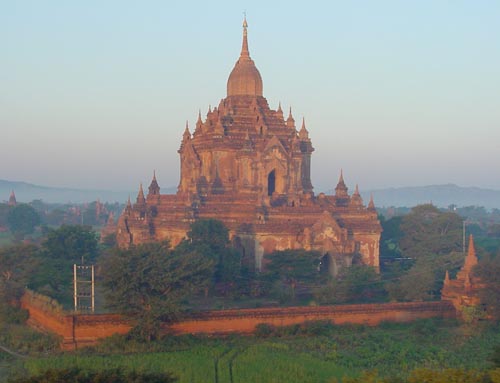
(318, 353)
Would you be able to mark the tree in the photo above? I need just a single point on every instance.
(209, 232)
(390, 237)
(358, 283)
(488, 270)
(77, 375)
(292, 268)
(4, 212)
(432, 242)
(424, 280)
(63, 247)
(22, 220)
(72, 243)
(18, 263)
(211, 238)
(147, 282)
(429, 231)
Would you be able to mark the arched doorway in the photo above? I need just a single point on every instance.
(271, 183)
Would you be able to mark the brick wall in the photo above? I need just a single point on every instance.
(245, 321)
(80, 330)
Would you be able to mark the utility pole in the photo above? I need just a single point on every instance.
(84, 288)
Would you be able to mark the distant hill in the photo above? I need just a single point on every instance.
(439, 195)
(26, 192)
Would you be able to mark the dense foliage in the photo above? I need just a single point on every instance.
(287, 270)
(312, 352)
(147, 282)
(46, 268)
(22, 220)
(417, 249)
(76, 375)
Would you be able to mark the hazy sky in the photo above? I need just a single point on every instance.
(95, 94)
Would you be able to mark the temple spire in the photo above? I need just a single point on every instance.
(187, 133)
(356, 199)
(290, 122)
(244, 46)
(341, 188)
(447, 278)
(128, 208)
(140, 195)
(303, 133)
(471, 259)
(371, 204)
(154, 188)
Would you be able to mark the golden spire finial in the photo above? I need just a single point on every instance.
(244, 45)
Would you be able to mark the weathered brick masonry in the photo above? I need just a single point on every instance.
(80, 330)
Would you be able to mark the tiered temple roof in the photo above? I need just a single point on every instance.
(248, 166)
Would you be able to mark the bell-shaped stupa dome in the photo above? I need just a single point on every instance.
(244, 79)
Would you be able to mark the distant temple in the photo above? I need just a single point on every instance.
(249, 166)
(463, 291)
(12, 199)
(109, 228)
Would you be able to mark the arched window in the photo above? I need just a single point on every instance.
(271, 183)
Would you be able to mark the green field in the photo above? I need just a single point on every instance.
(313, 353)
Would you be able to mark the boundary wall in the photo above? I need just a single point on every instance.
(78, 330)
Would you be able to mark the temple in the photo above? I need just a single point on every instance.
(463, 291)
(249, 166)
(12, 199)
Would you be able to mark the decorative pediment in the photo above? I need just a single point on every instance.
(275, 148)
(327, 227)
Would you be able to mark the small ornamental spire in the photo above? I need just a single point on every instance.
(356, 197)
(303, 133)
(356, 190)
(187, 134)
(154, 188)
(371, 204)
(446, 278)
(341, 188)
(140, 196)
(290, 122)
(279, 111)
(199, 123)
(471, 259)
(128, 208)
